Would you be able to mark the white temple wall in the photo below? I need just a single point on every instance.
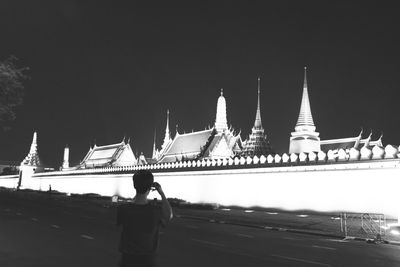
(9, 181)
(356, 187)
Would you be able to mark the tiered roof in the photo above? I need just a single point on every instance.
(32, 159)
(257, 143)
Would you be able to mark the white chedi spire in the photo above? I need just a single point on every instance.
(304, 139)
(65, 164)
(221, 123)
(32, 159)
(305, 121)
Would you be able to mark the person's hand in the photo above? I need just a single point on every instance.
(157, 186)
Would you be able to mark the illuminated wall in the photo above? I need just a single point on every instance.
(371, 186)
(9, 181)
(360, 181)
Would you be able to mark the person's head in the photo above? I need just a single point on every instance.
(142, 181)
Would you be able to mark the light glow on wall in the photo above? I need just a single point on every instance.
(327, 188)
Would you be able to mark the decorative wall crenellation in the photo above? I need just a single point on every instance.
(331, 157)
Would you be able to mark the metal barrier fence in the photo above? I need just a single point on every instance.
(363, 225)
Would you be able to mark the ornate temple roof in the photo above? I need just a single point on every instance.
(32, 159)
(109, 155)
(350, 142)
(187, 145)
(257, 143)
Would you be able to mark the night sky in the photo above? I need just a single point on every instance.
(104, 69)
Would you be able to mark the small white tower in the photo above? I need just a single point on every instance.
(65, 164)
(220, 120)
(304, 138)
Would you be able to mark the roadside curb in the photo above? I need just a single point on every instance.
(265, 227)
(290, 230)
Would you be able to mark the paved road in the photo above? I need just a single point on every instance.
(49, 232)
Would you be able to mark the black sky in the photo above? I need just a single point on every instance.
(104, 69)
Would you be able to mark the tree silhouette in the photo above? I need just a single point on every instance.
(11, 90)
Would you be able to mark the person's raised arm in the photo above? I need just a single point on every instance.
(166, 209)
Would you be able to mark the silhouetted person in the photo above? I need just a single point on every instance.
(141, 221)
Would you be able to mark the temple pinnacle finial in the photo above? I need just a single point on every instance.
(222, 91)
(305, 77)
(167, 127)
(154, 156)
(167, 137)
(257, 123)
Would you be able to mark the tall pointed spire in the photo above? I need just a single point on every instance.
(257, 143)
(258, 123)
(154, 145)
(305, 120)
(305, 138)
(221, 123)
(167, 137)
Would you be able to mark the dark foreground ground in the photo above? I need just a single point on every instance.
(42, 230)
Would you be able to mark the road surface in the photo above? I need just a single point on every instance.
(55, 232)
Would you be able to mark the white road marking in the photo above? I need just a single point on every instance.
(244, 235)
(35, 219)
(300, 260)
(19, 213)
(302, 215)
(6, 210)
(338, 240)
(272, 213)
(55, 226)
(249, 211)
(226, 209)
(208, 242)
(322, 247)
(87, 237)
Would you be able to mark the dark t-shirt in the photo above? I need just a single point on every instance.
(140, 228)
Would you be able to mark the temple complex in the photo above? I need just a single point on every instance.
(119, 154)
(304, 138)
(257, 144)
(217, 142)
